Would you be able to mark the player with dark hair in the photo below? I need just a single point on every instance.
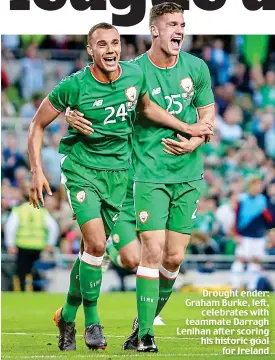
(167, 184)
(95, 167)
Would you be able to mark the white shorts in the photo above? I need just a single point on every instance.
(251, 247)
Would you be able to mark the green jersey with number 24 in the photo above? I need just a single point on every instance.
(111, 109)
(181, 90)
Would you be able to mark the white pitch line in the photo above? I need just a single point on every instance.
(109, 336)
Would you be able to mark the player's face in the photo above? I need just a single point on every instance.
(105, 48)
(170, 31)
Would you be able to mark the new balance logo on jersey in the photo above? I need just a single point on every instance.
(115, 217)
(98, 103)
(156, 91)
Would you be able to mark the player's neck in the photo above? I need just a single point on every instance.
(160, 59)
(103, 76)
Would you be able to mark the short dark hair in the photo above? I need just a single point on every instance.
(164, 8)
(102, 25)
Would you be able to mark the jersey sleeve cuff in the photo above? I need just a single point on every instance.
(205, 106)
(57, 110)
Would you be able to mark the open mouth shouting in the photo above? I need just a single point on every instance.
(110, 61)
(176, 42)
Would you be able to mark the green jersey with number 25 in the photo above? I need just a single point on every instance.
(110, 106)
(181, 90)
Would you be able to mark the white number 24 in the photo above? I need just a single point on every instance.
(121, 112)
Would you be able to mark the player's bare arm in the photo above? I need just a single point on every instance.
(157, 114)
(43, 117)
(154, 112)
(184, 146)
(207, 115)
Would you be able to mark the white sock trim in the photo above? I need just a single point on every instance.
(118, 259)
(147, 272)
(168, 274)
(91, 260)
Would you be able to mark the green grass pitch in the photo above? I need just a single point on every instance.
(28, 331)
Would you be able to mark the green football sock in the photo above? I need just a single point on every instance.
(90, 276)
(74, 298)
(166, 283)
(114, 254)
(147, 293)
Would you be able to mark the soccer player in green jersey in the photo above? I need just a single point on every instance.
(167, 183)
(95, 167)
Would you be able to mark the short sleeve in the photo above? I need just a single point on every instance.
(62, 95)
(204, 94)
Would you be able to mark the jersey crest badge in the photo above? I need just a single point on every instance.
(187, 85)
(115, 238)
(143, 216)
(81, 196)
(131, 93)
(188, 88)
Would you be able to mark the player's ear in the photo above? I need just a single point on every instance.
(154, 31)
(89, 50)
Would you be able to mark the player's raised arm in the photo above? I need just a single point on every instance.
(184, 146)
(43, 117)
(207, 114)
(155, 113)
(204, 98)
(77, 121)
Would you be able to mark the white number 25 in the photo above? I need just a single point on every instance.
(173, 103)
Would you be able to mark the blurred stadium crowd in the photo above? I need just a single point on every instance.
(243, 77)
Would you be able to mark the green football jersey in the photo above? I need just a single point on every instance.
(181, 90)
(110, 106)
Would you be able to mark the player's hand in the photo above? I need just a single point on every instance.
(76, 120)
(39, 182)
(200, 129)
(12, 250)
(207, 139)
(176, 148)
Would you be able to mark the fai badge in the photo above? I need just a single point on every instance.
(131, 93)
(143, 216)
(115, 238)
(81, 196)
(187, 85)
(188, 89)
